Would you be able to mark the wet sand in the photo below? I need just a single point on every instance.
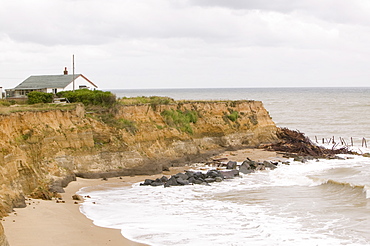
(51, 223)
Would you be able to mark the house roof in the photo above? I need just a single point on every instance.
(49, 81)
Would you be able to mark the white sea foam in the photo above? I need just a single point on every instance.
(247, 210)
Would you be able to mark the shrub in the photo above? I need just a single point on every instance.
(180, 120)
(39, 97)
(4, 102)
(233, 116)
(253, 119)
(128, 125)
(88, 97)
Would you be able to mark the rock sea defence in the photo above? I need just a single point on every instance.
(43, 151)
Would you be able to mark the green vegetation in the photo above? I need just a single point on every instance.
(180, 120)
(145, 100)
(88, 97)
(39, 97)
(4, 102)
(128, 125)
(253, 119)
(153, 101)
(36, 108)
(233, 116)
(109, 119)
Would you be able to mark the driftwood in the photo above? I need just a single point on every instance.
(296, 142)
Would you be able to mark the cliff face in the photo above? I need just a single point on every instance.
(3, 241)
(42, 150)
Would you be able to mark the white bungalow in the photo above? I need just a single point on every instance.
(51, 84)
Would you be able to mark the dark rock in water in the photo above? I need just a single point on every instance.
(155, 183)
(260, 167)
(199, 175)
(182, 176)
(300, 159)
(212, 173)
(164, 179)
(171, 182)
(246, 164)
(230, 174)
(148, 182)
(209, 180)
(190, 174)
(182, 182)
(245, 168)
(191, 180)
(198, 181)
(231, 165)
(270, 165)
(218, 179)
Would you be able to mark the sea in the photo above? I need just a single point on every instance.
(319, 202)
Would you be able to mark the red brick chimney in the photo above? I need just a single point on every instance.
(65, 71)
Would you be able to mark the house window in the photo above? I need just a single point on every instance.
(83, 87)
(55, 90)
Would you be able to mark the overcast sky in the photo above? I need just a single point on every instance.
(188, 43)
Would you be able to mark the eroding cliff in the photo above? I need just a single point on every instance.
(45, 150)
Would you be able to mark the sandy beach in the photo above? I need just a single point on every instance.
(51, 223)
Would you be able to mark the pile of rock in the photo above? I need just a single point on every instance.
(197, 177)
(249, 166)
(193, 177)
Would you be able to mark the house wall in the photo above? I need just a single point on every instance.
(79, 82)
(51, 90)
(1, 92)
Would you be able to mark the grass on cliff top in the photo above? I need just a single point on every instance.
(158, 100)
(145, 100)
(6, 110)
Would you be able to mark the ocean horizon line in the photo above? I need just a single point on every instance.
(273, 87)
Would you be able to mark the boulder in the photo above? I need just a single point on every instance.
(231, 165)
(191, 180)
(245, 168)
(182, 176)
(198, 181)
(190, 174)
(270, 165)
(156, 183)
(164, 179)
(199, 175)
(260, 167)
(213, 174)
(210, 180)
(148, 182)
(218, 179)
(230, 174)
(182, 182)
(171, 182)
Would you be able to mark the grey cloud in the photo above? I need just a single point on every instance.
(276, 5)
(339, 11)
